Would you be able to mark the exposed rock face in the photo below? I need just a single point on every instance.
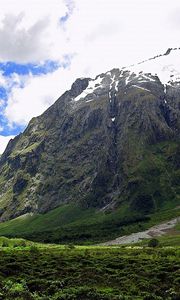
(105, 142)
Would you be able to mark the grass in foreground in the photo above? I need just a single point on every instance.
(36, 271)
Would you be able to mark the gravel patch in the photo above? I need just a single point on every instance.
(155, 231)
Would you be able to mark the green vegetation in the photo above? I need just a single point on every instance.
(36, 271)
(116, 178)
(25, 150)
(164, 241)
(153, 182)
(72, 224)
(153, 243)
(13, 243)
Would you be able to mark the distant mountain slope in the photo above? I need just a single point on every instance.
(108, 142)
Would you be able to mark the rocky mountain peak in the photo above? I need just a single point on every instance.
(78, 86)
(153, 75)
(107, 142)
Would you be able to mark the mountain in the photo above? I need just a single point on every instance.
(108, 144)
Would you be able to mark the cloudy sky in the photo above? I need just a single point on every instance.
(46, 44)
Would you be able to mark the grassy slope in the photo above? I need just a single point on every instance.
(70, 223)
(57, 272)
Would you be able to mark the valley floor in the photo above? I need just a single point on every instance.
(155, 231)
(43, 272)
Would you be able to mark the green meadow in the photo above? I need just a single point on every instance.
(37, 271)
(72, 224)
(41, 257)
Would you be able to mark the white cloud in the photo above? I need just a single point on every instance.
(136, 30)
(4, 141)
(21, 45)
(29, 30)
(102, 35)
(37, 95)
(122, 29)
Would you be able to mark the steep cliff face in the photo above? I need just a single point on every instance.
(105, 142)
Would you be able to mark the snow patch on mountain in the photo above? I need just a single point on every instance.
(92, 86)
(165, 67)
(140, 87)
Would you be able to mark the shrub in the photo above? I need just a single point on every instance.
(34, 249)
(70, 246)
(153, 243)
(23, 244)
(5, 244)
(16, 290)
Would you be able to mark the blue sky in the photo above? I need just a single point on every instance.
(8, 70)
(30, 56)
(45, 47)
